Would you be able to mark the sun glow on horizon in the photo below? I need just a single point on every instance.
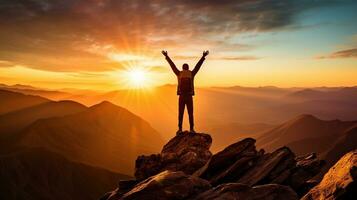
(137, 77)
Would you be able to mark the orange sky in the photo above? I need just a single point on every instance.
(97, 44)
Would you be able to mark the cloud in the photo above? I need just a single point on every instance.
(4, 63)
(159, 69)
(58, 35)
(239, 58)
(231, 58)
(348, 53)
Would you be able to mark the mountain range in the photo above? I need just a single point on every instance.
(97, 136)
(48, 148)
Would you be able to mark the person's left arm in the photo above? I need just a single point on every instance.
(200, 62)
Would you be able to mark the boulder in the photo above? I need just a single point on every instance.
(123, 187)
(306, 168)
(165, 186)
(229, 163)
(185, 152)
(234, 191)
(339, 182)
(270, 167)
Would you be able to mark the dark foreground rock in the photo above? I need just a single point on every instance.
(242, 163)
(306, 167)
(185, 152)
(164, 186)
(228, 164)
(186, 169)
(234, 191)
(339, 182)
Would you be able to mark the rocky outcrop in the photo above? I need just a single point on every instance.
(186, 169)
(227, 164)
(185, 152)
(339, 182)
(270, 168)
(233, 191)
(242, 163)
(164, 186)
(306, 167)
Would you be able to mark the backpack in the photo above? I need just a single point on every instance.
(185, 82)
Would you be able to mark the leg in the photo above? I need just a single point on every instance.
(181, 108)
(189, 104)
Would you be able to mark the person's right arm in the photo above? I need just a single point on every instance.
(172, 64)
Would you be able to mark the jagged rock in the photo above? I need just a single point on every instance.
(229, 163)
(123, 187)
(234, 191)
(146, 166)
(240, 162)
(269, 168)
(306, 168)
(185, 152)
(240, 171)
(166, 185)
(339, 182)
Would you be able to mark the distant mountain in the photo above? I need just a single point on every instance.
(345, 143)
(30, 90)
(306, 94)
(14, 122)
(229, 105)
(341, 94)
(13, 101)
(97, 136)
(304, 134)
(39, 174)
(267, 91)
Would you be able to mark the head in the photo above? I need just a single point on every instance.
(185, 66)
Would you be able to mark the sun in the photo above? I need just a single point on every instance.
(137, 78)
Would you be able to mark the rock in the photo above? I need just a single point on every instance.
(234, 191)
(339, 182)
(123, 187)
(269, 167)
(167, 185)
(146, 166)
(306, 168)
(185, 169)
(185, 152)
(230, 162)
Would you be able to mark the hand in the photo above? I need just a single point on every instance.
(164, 53)
(205, 53)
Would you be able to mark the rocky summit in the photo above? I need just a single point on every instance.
(186, 169)
(185, 152)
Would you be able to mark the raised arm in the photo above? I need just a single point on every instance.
(172, 64)
(200, 62)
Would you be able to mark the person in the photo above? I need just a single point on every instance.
(185, 88)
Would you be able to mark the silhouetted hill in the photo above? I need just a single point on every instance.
(12, 101)
(14, 122)
(230, 105)
(347, 142)
(306, 94)
(30, 90)
(304, 134)
(343, 93)
(96, 136)
(34, 174)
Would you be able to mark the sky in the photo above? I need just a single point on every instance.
(114, 44)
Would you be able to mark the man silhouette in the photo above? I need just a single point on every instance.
(185, 88)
